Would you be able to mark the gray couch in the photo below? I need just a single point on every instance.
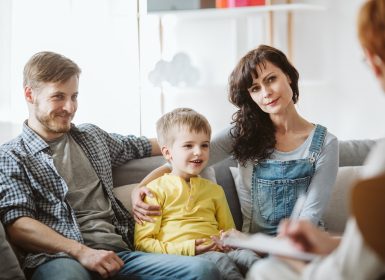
(352, 155)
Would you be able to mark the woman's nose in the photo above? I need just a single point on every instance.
(266, 91)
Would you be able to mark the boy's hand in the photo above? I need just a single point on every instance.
(218, 240)
(231, 233)
(223, 235)
(140, 209)
(201, 248)
(219, 244)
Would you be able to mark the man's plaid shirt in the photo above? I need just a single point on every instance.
(30, 185)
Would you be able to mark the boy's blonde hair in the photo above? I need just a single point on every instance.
(46, 67)
(170, 123)
(371, 27)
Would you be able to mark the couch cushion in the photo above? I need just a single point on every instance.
(337, 211)
(354, 152)
(135, 170)
(123, 193)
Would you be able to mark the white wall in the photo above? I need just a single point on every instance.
(337, 89)
(349, 101)
(99, 35)
(6, 128)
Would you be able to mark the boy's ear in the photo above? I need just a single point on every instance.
(166, 152)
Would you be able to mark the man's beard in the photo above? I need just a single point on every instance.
(49, 121)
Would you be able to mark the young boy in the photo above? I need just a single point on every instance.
(194, 210)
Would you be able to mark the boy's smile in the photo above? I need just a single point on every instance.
(189, 153)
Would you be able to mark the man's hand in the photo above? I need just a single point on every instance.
(27, 233)
(306, 237)
(140, 209)
(201, 248)
(106, 263)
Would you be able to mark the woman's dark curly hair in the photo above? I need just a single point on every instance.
(253, 131)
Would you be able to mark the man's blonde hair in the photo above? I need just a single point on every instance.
(47, 67)
(169, 124)
(371, 27)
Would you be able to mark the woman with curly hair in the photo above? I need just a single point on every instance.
(281, 155)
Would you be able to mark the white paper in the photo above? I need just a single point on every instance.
(267, 244)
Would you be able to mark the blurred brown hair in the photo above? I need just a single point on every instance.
(371, 27)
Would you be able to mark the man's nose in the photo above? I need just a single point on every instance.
(69, 106)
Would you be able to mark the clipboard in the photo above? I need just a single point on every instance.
(368, 207)
(263, 243)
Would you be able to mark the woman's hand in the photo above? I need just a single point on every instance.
(140, 209)
(219, 240)
(201, 248)
(306, 237)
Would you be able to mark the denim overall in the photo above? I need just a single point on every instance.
(276, 185)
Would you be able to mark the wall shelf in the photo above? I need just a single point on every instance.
(240, 13)
(236, 12)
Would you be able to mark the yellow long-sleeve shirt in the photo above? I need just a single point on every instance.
(189, 212)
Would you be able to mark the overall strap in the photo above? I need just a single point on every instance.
(318, 139)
